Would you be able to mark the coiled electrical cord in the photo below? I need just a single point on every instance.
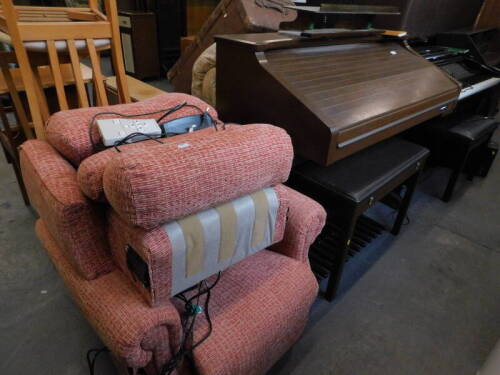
(188, 320)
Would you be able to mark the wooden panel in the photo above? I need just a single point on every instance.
(349, 86)
(139, 91)
(46, 77)
(333, 97)
(198, 12)
(489, 16)
(63, 30)
(230, 16)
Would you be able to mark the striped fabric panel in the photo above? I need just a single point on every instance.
(212, 240)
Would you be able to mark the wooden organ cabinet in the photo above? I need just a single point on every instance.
(139, 42)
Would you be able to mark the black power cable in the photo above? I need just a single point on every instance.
(166, 112)
(188, 320)
(91, 122)
(132, 136)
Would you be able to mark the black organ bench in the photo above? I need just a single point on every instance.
(347, 189)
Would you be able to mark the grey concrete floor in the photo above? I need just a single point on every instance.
(426, 302)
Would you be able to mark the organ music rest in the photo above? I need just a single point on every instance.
(333, 96)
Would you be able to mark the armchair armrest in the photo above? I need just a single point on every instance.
(306, 219)
(135, 333)
(74, 221)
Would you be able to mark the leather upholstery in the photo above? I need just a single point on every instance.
(358, 176)
(475, 128)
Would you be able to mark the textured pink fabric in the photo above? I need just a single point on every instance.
(148, 187)
(91, 170)
(75, 223)
(259, 309)
(155, 249)
(68, 131)
(134, 332)
(306, 219)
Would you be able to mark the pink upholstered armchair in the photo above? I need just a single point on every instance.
(123, 229)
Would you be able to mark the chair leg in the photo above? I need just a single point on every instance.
(20, 182)
(454, 177)
(6, 153)
(338, 266)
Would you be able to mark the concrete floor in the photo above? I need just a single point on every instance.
(424, 303)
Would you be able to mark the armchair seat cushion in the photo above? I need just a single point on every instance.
(258, 309)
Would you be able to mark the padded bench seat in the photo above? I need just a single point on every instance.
(461, 140)
(474, 129)
(362, 174)
(350, 186)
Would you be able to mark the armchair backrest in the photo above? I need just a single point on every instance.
(184, 211)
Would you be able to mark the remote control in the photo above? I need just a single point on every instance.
(116, 129)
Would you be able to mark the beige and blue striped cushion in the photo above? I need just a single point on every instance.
(212, 240)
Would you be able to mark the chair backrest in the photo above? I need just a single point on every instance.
(54, 36)
(195, 205)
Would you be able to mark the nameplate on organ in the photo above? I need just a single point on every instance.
(334, 96)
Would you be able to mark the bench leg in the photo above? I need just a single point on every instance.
(452, 182)
(411, 185)
(338, 266)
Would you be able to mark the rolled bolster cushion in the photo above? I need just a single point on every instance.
(91, 170)
(150, 187)
(68, 131)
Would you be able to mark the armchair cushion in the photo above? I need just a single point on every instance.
(158, 267)
(91, 170)
(149, 187)
(259, 309)
(306, 219)
(68, 131)
(75, 223)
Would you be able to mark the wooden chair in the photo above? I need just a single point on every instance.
(53, 36)
(14, 119)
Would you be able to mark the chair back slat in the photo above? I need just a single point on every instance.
(56, 73)
(116, 51)
(93, 4)
(16, 99)
(77, 73)
(98, 78)
(53, 25)
(42, 99)
(10, 18)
